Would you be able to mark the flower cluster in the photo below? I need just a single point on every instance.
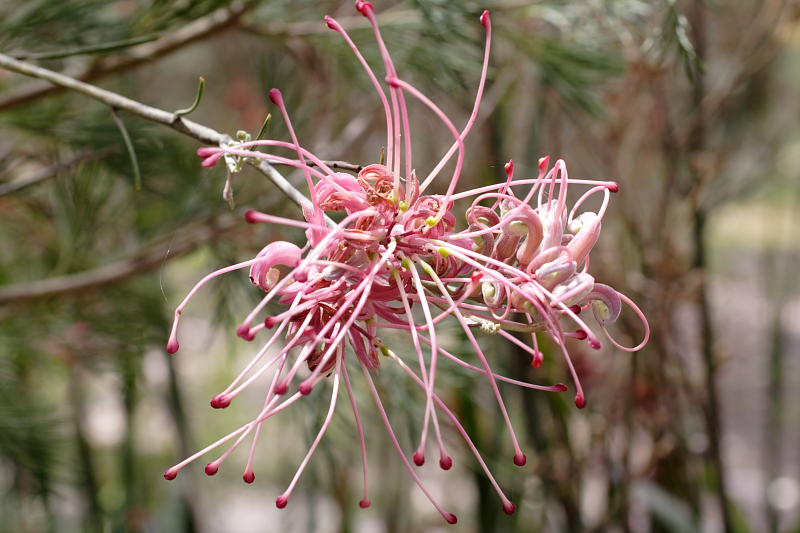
(520, 265)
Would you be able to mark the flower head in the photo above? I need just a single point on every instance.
(519, 264)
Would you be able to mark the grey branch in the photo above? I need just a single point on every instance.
(196, 30)
(197, 131)
(148, 258)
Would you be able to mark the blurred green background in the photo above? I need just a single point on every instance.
(693, 107)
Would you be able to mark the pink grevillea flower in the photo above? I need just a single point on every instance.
(519, 265)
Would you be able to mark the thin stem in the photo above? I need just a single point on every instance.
(126, 138)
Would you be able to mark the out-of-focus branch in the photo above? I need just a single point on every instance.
(297, 29)
(187, 127)
(46, 173)
(196, 30)
(697, 143)
(149, 257)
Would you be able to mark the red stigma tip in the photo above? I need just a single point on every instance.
(249, 477)
(220, 401)
(364, 503)
(270, 322)
(276, 96)
(212, 469)
(419, 458)
(612, 186)
(332, 24)
(581, 334)
(393, 81)
(172, 346)
(538, 359)
(281, 502)
(251, 216)
(560, 387)
(243, 331)
(520, 459)
(510, 167)
(281, 389)
(544, 162)
(446, 463)
(594, 343)
(509, 508)
(211, 160)
(580, 401)
(305, 388)
(486, 19)
(451, 518)
(170, 474)
(576, 309)
(364, 7)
